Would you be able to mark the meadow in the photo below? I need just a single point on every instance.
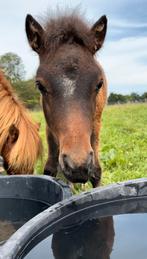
(123, 148)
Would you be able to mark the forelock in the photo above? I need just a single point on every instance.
(70, 29)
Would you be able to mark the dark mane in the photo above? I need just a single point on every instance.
(67, 29)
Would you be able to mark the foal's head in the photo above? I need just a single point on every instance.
(69, 80)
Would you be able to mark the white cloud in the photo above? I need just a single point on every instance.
(125, 60)
(125, 64)
(126, 24)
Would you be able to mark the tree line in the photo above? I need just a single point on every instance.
(14, 70)
(132, 98)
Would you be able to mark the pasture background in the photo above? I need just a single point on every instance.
(123, 148)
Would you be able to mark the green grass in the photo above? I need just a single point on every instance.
(123, 142)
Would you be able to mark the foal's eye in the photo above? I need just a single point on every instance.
(98, 86)
(41, 88)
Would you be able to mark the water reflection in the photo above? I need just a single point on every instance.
(123, 236)
(91, 240)
(6, 230)
(94, 239)
(13, 215)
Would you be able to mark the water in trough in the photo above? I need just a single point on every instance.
(15, 212)
(113, 236)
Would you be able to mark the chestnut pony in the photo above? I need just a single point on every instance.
(20, 144)
(73, 88)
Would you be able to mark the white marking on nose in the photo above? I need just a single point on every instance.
(69, 86)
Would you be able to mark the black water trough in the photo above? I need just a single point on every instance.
(23, 197)
(106, 222)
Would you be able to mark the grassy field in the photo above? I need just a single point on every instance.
(123, 142)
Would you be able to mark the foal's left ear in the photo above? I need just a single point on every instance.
(99, 29)
(13, 133)
(34, 33)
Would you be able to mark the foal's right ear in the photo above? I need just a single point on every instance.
(34, 33)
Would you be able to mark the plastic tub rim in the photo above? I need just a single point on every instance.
(64, 187)
(124, 190)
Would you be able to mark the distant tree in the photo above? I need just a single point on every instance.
(28, 93)
(134, 97)
(12, 66)
(116, 98)
(144, 97)
(112, 99)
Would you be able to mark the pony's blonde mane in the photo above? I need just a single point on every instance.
(28, 146)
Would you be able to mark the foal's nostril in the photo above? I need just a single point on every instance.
(90, 159)
(64, 156)
(77, 170)
(67, 162)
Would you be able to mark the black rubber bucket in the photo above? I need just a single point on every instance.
(23, 197)
(105, 221)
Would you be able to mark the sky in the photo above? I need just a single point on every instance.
(124, 54)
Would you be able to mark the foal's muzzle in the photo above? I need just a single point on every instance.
(77, 173)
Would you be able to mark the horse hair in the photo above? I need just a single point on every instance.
(28, 146)
(67, 29)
